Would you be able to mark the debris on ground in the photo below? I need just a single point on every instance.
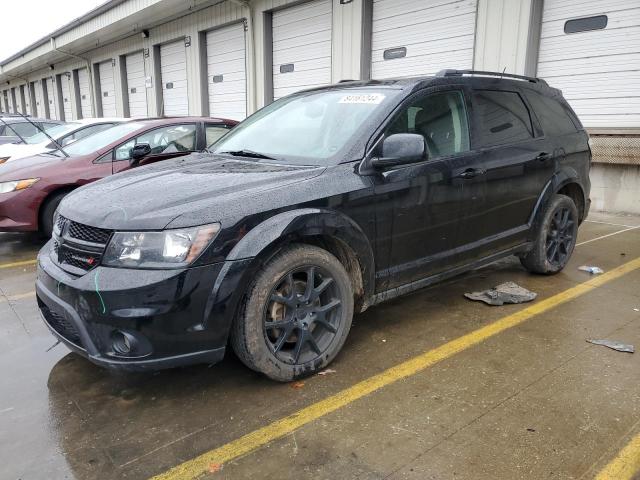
(618, 346)
(297, 385)
(636, 309)
(326, 372)
(590, 269)
(507, 292)
(215, 467)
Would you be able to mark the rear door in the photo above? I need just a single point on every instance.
(166, 142)
(518, 162)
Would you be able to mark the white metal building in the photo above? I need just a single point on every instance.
(230, 57)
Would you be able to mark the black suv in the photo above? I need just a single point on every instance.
(320, 205)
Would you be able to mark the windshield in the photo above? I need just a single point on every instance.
(53, 132)
(309, 128)
(100, 140)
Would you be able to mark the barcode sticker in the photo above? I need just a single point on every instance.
(371, 98)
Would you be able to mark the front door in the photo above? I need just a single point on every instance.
(165, 142)
(424, 209)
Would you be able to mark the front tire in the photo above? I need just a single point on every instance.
(555, 239)
(296, 314)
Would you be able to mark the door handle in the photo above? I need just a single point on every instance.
(543, 156)
(471, 173)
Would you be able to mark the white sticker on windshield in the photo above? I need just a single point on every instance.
(371, 98)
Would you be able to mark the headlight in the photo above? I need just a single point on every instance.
(7, 187)
(166, 249)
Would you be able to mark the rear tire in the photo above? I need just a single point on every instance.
(555, 239)
(290, 327)
(47, 212)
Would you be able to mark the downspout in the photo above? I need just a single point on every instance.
(89, 69)
(250, 27)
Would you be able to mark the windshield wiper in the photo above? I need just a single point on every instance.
(43, 131)
(248, 153)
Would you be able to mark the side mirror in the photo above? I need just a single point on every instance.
(139, 151)
(401, 149)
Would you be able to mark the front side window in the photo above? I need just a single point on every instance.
(311, 128)
(440, 118)
(502, 117)
(165, 140)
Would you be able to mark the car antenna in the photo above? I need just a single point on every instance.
(9, 126)
(42, 130)
(503, 70)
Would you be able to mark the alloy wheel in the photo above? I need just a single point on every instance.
(560, 237)
(302, 315)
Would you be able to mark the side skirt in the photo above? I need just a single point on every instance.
(425, 282)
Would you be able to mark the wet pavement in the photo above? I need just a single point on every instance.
(535, 401)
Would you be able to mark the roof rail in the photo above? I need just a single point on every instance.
(460, 73)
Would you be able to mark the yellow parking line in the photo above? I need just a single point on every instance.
(278, 429)
(626, 464)
(19, 296)
(18, 264)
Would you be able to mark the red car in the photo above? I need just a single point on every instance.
(31, 188)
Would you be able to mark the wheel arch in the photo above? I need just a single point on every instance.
(328, 229)
(60, 189)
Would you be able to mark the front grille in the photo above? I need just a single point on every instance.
(60, 324)
(78, 248)
(87, 233)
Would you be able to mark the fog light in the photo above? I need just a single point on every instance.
(122, 342)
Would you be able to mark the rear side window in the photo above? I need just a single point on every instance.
(502, 117)
(553, 116)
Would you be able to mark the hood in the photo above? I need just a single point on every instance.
(27, 167)
(16, 151)
(185, 192)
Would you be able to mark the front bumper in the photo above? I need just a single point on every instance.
(171, 317)
(18, 211)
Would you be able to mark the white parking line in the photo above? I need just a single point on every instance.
(606, 236)
(612, 224)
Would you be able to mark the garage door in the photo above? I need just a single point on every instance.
(591, 51)
(37, 85)
(85, 93)
(65, 86)
(51, 99)
(226, 72)
(301, 47)
(136, 89)
(421, 37)
(24, 97)
(15, 93)
(173, 70)
(107, 89)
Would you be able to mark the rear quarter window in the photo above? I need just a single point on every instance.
(553, 115)
(502, 118)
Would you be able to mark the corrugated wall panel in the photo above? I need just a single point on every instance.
(599, 70)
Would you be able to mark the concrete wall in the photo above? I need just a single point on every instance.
(615, 188)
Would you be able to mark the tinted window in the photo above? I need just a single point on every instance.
(553, 116)
(586, 24)
(440, 118)
(25, 129)
(503, 118)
